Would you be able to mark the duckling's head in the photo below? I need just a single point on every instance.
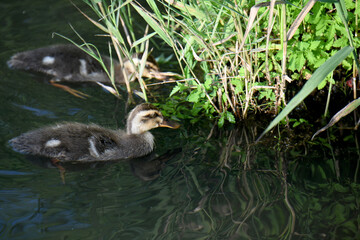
(145, 117)
(151, 69)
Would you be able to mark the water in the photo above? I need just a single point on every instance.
(213, 184)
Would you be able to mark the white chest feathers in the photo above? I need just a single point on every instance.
(149, 138)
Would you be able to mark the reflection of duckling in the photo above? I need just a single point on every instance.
(69, 63)
(85, 143)
(148, 168)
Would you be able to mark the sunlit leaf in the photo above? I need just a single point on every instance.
(194, 96)
(140, 94)
(342, 113)
(230, 117)
(109, 89)
(175, 90)
(221, 121)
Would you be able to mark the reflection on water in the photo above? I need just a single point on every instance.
(219, 186)
(37, 112)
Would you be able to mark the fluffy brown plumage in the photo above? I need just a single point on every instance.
(69, 63)
(84, 143)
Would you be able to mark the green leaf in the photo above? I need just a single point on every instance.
(300, 61)
(175, 90)
(314, 45)
(230, 117)
(319, 62)
(221, 121)
(322, 84)
(239, 85)
(297, 123)
(342, 113)
(331, 32)
(194, 96)
(340, 42)
(304, 46)
(310, 57)
(318, 76)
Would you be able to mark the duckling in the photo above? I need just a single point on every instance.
(76, 142)
(68, 63)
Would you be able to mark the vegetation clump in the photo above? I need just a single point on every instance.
(246, 52)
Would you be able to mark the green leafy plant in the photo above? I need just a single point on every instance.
(235, 57)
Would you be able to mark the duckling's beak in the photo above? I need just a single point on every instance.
(169, 124)
(157, 75)
(163, 75)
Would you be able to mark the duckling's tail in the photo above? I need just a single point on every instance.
(24, 144)
(17, 61)
(31, 61)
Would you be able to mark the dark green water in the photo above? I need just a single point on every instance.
(219, 186)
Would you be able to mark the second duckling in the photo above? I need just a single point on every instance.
(69, 63)
(86, 143)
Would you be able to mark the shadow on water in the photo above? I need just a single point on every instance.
(219, 186)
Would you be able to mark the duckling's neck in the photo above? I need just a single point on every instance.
(149, 138)
(135, 130)
(120, 74)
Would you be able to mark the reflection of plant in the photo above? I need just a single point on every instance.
(327, 210)
(226, 187)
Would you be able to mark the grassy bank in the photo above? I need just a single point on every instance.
(238, 57)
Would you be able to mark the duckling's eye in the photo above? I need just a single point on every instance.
(147, 66)
(146, 117)
(152, 115)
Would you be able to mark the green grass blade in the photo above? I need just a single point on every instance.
(143, 39)
(295, 25)
(183, 7)
(154, 7)
(318, 76)
(328, 1)
(342, 113)
(343, 14)
(341, 8)
(153, 24)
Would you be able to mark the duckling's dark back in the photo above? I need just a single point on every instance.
(66, 141)
(64, 62)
